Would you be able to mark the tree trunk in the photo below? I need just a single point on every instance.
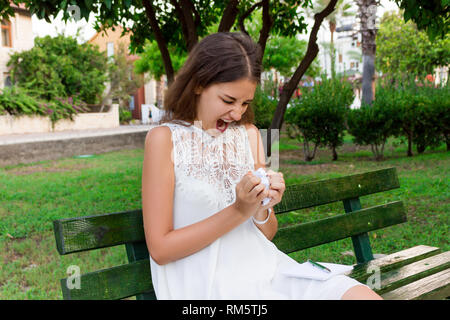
(229, 16)
(335, 155)
(410, 154)
(332, 50)
(266, 27)
(367, 78)
(162, 44)
(367, 15)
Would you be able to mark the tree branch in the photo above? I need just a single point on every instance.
(289, 88)
(162, 44)
(188, 10)
(197, 19)
(184, 12)
(245, 16)
(229, 16)
(267, 25)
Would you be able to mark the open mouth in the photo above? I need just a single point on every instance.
(222, 125)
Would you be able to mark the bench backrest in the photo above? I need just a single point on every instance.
(134, 279)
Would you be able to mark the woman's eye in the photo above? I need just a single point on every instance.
(227, 102)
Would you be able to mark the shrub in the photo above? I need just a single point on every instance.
(18, 101)
(373, 125)
(60, 67)
(320, 115)
(419, 119)
(433, 119)
(124, 115)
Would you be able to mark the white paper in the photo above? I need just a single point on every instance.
(260, 173)
(307, 270)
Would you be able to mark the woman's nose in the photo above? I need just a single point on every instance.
(236, 115)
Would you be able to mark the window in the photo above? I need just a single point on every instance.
(7, 80)
(131, 103)
(352, 65)
(6, 33)
(110, 49)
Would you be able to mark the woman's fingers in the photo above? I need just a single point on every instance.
(251, 183)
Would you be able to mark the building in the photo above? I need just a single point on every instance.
(16, 35)
(109, 41)
(348, 48)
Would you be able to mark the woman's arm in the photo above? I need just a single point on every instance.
(164, 243)
(270, 228)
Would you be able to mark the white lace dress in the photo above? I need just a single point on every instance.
(242, 264)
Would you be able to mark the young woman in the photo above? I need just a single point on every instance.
(208, 234)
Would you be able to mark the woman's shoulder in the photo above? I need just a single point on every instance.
(251, 129)
(159, 135)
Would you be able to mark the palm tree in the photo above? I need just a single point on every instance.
(342, 10)
(367, 17)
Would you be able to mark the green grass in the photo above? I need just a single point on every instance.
(33, 195)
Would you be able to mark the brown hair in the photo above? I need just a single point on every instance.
(217, 58)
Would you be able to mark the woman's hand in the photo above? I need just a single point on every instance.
(249, 194)
(276, 188)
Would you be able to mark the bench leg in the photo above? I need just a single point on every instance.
(361, 242)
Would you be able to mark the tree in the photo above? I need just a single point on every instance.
(288, 89)
(283, 53)
(123, 82)
(403, 49)
(367, 17)
(150, 61)
(432, 16)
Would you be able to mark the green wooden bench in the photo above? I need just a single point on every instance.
(420, 272)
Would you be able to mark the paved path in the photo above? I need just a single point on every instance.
(32, 147)
(64, 135)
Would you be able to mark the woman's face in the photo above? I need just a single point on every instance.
(223, 101)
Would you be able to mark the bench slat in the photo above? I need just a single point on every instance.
(99, 231)
(114, 283)
(405, 275)
(436, 286)
(395, 260)
(306, 235)
(326, 191)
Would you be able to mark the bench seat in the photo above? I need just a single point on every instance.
(420, 272)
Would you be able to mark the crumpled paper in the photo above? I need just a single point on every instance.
(260, 173)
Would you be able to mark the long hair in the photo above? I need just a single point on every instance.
(217, 58)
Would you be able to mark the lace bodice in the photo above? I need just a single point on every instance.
(219, 163)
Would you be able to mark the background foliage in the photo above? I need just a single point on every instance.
(60, 67)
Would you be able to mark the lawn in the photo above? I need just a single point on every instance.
(33, 195)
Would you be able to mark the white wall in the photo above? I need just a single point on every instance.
(22, 39)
